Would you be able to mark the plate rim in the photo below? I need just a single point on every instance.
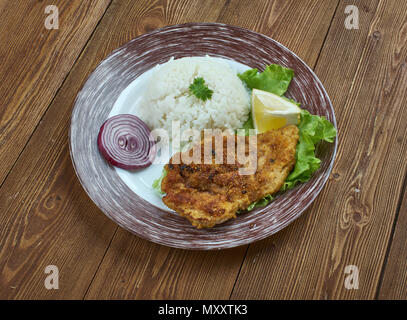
(247, 240)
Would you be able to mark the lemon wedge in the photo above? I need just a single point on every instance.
(270, 111)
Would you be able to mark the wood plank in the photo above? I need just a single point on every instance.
(34, 61)
(135, 269)
(289, 22)
(350, 223)
(45, 216)
(138, 269)
(394, 282)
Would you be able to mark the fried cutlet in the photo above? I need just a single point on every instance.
(211, 193)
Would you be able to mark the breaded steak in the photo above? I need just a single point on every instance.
(211, 193)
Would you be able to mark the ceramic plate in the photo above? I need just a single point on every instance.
(128, 198)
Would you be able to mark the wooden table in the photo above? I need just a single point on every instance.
(359, 219)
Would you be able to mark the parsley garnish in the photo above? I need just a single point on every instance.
(200, 90)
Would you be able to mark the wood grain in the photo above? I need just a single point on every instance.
(394, 282)
(351, 221)
(119, 70)
(198, 280)
(46, 217)
(291, 23)
(393, 285)
(34, 61)
(137, 269)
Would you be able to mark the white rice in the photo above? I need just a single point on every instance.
(167, 97)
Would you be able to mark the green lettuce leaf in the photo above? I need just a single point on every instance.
(157, 183)
(260, 203)
(248, 125)
(312, 129)
(274, 79)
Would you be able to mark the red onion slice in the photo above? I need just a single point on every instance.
(124, 141)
